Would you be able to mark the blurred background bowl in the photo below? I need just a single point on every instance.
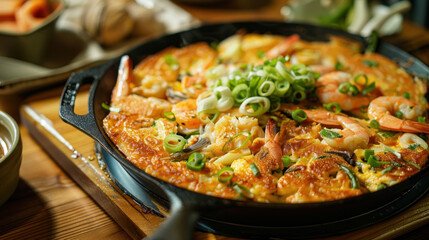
(30, 46)
(10, 156)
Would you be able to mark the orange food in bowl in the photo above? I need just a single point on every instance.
(20, 16)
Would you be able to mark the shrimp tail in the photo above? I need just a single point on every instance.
(125, 79)
(414, 127)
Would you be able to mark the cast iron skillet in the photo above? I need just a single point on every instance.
(187, 206)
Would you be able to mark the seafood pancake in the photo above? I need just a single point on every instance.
(271, 119)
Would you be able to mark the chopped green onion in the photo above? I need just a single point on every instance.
(254, 169)
(354, 90)
(386, 170)
(243, 191)
(174, 143)
(235, 136)
(240, 92)
(281, 88)
(228, 171)
(368, 153)
(370, 63)
(421, 119)
(226, 101)
(339, 66)
(260, 54)
(381, 186)
(266, 89)
(208, 115)
(352, 176)
(329, 134)
(363, 109)
(399, 114)
(357, 77)
(171, 61)
(374, 162)
(170, 116)
(373, 41)
(112, 109)
(387, 134)
(332, 107)
(413, 164)
(196, 161)
(259, 105)
(286, 160)
(414, 146)
(344, 87)
(406, 95)
(374, 124)
(192, 133)
(214, 45)
(299, 115)
(368, 89)
(391, 167)
(323, 157)
(388, 149)
(299, 96)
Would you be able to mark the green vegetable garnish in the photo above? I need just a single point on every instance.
(196, 161)
(329, 134)
(228, 171)
(254, 169)
(299, 115)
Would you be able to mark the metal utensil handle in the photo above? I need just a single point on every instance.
(180, 223)
(86, 123)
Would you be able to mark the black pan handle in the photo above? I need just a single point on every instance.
(87, 122)
(180, 223)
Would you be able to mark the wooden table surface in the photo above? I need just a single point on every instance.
(49, 205)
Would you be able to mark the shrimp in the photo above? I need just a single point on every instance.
(186, 115)
(382, 108)
(283, 48)
(123, 98)
(328, 91)
(269, 158)
(32, 14)
(351, 137)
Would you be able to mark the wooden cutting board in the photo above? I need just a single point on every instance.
(134, 219)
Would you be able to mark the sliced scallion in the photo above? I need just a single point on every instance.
(174, 143)
(208, 115)
(332, 107)
(196, 161)
(286, 160)
(235, 136)
(171, 61)
(225, 174)
(352, 176)
(112, 109)
(399, 114)
(170, 116)
(370, 63)
(255, 169)
(413, 164)
(368, 88)
(299, 115)
(243, 191)
(329, 134)
(406, 95)
(374, 124)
